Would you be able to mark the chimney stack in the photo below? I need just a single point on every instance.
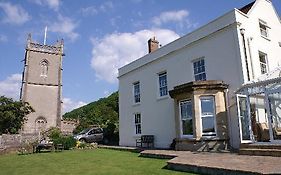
(153, 44)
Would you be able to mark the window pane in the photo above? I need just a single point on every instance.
(137, 92)
(186, 110)
(138, 129)
(263, 62)
(262, 26)
(262, 58)
(207, 106)
(137, 118)
(208, 116)
(208, 124)
(186, 117)
(138, 123)
(163, 90)
(263, 29)
(195, 64)
(199, 70)
(202, 63)
(203, 76)
(187, 127)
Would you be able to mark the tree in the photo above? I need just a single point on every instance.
(103, 113)
(12, 115)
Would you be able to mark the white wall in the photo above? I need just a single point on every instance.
(263, 10)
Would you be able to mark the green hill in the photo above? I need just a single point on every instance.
(103, 113)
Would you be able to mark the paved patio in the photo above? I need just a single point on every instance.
(217, 163)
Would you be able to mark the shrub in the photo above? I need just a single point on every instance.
(68, 142)
(56, 136)
(54, 133)
(82, 145)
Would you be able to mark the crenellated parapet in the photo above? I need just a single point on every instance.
(52, 49)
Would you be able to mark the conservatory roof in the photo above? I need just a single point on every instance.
(269, 85)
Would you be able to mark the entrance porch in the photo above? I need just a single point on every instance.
(259, 113)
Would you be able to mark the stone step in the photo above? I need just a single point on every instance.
(260, 152)
(157, 156)
(261, 146)
(121, 148)
(206, 169)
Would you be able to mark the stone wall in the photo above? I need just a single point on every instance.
(67, 126)
(12, 142)
(204, 145)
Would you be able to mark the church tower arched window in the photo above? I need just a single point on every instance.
(44, 68)
(40, 124)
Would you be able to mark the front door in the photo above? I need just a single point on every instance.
(244, 119)
(274, 100)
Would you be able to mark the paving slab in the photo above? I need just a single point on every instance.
(218, 163)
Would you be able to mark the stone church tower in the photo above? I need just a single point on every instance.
(42, 85)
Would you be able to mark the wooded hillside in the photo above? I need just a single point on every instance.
(103, 112)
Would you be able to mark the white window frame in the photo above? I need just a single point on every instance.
(135, 93)
(137, 123)
(209, 134)
(161, 87)
(238, 96)
(262, 64)
(202, 73)
(180, 119)
(264, 32)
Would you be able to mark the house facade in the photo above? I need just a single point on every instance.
(186, 92)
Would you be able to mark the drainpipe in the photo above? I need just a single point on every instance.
(242, 31)
(250, 55)
(227, 101)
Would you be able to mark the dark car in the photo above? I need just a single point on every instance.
(90, 135)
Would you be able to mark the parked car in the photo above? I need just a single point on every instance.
(90, 135)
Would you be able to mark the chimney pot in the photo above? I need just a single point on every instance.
(153, 44)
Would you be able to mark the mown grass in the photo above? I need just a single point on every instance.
(82, 162)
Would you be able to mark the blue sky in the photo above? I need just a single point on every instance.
(99, 37)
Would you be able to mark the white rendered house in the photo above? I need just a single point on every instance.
(187, 91)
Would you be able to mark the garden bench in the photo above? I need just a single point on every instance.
(147, 140)
(59, 147)
(43, 146)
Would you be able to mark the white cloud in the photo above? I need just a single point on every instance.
(106, 6)
(93, 10)
(118, 49)
(66, 26)
(3, 38)
(170, 16)
(69, 104)
(53, 4)
(14, 14)
(10, 87)
(106, 93)
(88, 11)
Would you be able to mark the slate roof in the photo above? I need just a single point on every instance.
(247, 7)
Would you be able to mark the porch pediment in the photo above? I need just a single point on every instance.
(198, 85)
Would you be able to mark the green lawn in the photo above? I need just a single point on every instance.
(82, 162)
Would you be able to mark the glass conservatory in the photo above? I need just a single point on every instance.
(259, 111)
